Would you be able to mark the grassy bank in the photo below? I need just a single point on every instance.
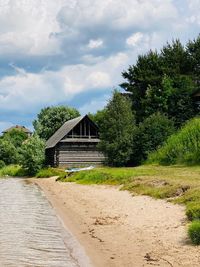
(177, 184)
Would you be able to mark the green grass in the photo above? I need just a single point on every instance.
(194, 232)
(180, 183)
(50, 172)
(193, 211)
(12, 170)
(182, 147)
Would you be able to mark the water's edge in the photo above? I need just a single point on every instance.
(77, 251)
(31, 232)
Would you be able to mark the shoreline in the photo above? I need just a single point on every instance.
(117, 229)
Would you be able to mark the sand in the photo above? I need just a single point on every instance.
(117, 229)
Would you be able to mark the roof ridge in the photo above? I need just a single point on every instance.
(62, 131)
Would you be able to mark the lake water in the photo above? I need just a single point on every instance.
(30, 232)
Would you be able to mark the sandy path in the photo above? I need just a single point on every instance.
(117, 229)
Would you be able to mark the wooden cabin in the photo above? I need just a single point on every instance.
(74, 144)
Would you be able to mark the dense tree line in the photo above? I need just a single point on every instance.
(159, 87)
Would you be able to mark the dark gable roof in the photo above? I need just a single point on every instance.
(62, 131)
(18, 127)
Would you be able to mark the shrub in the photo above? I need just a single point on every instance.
(181, 148)
(194, 232)
(193, 211)
(2, 164)
(8, 152)
(33, 155)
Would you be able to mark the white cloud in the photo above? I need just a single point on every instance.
(95, 43)
(116, 14)
(134, 39)
(30, 91)
(194, 16)
(26, 26)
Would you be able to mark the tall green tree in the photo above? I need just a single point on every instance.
(163, 82)
(117, 130)
(50, 119)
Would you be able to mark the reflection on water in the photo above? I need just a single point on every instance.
(30, 233)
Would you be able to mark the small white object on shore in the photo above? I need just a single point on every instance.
(80, 169)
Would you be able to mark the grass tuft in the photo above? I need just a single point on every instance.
(50, 172)
(12, 170)
(193, 211)
(194, 232)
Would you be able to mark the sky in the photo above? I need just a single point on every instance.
(72, 52)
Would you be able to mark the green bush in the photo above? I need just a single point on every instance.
(2, 164)
(181, 148)
(194, 232)
(33, 155)
(8, 152)
(193, 211)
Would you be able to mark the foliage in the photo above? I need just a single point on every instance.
(164, 82)
(194, 232)
(13, 171)
(33, 155)
(149, 135)
(16, 137)
(2, 164)
(98, 117)
(193, 211)
(50, 172)
(50, 119)
(182, 147)
(116, 133)
(8, 152)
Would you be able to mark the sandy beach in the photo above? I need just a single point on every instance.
(118, 229)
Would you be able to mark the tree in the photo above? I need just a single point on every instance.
(98, 117)
(50, 119)
(117, 130)
(164, 82)
(33, 155)
(149, 135)
(16, 137)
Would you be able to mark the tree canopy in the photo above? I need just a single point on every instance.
(165, 81)
(50, 119)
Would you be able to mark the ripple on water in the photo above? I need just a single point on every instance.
(30, 232)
